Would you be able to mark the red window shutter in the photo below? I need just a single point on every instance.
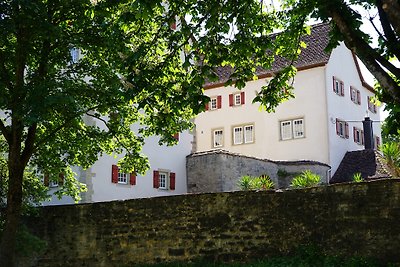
(219, 102)
(156, 179)
(114, 174)
(132, 178)
(46, 179)
(346, 127)
(242, 98)
(176, 136)
(354, 134)
(341, 89)
(337, 127)
(358, 97)
(207, 106)
(61, 178)
(172, 181)
(352, 97)
(230, 100)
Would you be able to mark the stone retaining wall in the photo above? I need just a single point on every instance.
(348, 219)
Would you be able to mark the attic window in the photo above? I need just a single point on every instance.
(338, 86)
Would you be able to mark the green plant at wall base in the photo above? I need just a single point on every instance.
(248, 182)
(245, 182)
(264, 182)
(306, 179)
(391, 153)
(357, 177)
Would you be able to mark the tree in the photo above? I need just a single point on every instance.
(134, 68)
(347, 18)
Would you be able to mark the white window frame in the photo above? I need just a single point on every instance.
(53, 183)
(122, 177)
(251, 139)
(237, 99)
(238, 138)
(213, 103)
(295, 131)
(163, 178)
(241, 138)
(289, 129)
(220, 136)
(285, 124)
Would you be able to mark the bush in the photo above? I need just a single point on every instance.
(391, 153)
(305, 179)
(263, 182)
(357, 177)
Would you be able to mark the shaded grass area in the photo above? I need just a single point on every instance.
(304, 257)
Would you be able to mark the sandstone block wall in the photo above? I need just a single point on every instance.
(348, 219)
(220, 171)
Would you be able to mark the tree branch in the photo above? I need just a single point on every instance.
(5, 131)
(392, 9)
(391, 39)
(29, 144)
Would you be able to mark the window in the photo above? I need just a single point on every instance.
(243, 134)
(371, 105)
(74, 54)
(218, 138)
(237, 99)
(53, 182)
(342, 128)
(355, 95)
(292, 129)
(215, 103)
(358, 136)
(377, 141)
(237, 135)
(338, 86)
(298, 128)
(118, 177)
(122, 178)
(162, 176)
(163, 179)
(248, 134)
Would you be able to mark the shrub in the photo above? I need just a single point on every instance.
(245, 183)
(306, 179)
(248, 182)
(357, 177)
(391, 153)
(263, 182)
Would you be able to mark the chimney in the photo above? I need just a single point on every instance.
(368, 133)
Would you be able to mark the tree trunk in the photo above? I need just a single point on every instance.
(13, 211)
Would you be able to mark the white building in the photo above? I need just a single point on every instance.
(321, 123)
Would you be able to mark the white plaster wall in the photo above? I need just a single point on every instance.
(309, 104)
(169, 158)
(342, 65)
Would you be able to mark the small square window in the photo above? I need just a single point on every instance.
(122, 177)
(238, 99)
(298, 128)
(338, 86)
(213, 103)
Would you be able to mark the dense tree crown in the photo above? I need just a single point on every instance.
(134, 67)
